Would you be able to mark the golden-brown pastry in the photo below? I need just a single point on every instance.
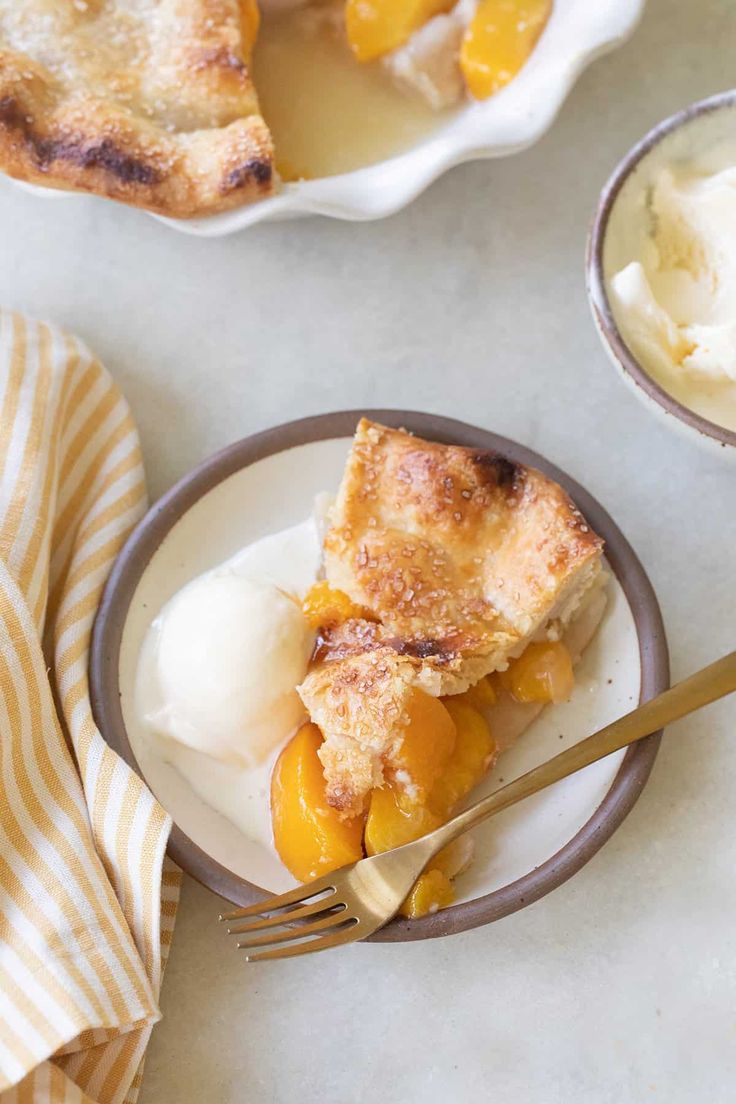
(460, 554)
(150, 102)
(462, 558)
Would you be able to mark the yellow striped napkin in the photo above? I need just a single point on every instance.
(87, 899)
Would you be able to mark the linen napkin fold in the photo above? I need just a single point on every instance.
(87, 898)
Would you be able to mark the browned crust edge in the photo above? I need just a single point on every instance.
(98, 149)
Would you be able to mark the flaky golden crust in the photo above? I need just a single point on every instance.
(151, 104)
(461, 555)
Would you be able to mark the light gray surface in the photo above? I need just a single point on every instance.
(621, 986)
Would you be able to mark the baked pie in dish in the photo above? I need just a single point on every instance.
(350, 681)
(153, 103)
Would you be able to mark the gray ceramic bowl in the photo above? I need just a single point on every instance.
(695, 128)
(615, 796)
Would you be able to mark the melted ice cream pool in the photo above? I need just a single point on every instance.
(218, 670)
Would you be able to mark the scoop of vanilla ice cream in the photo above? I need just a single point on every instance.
(693, 267)
(229, 653)
(676, 304)
(652, 335)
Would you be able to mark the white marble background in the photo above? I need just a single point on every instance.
(620, 987)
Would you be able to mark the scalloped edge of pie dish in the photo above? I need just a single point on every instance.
(578, 32)
(119, 596)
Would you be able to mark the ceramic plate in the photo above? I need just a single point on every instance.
(269, 481)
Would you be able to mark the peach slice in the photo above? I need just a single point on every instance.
(250, 21)
(542, 673)
(446, 748)
(481, 696)
(432, 891)
(325, 607)
(474, 751)
(309, 835)
(376, 26)
(499, 39)
(426, 747)
(391, 824)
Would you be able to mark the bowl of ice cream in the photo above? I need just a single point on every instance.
(661, 273)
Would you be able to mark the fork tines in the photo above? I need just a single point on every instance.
(294, 918)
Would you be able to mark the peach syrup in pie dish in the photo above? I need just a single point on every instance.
(327, 114)
(348, 83)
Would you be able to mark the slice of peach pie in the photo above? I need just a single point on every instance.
(460, 590)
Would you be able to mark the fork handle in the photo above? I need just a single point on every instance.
(708, 685)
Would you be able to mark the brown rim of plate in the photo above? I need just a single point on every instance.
(597, 292)
(161, 518)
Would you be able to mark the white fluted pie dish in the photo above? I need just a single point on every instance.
(577, 33)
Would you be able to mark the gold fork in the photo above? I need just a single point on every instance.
(353, 902)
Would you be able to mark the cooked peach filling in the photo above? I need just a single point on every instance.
(325, 606)
(250, 21)
(432, 891)
(482, 696)
(542, 673)
(393, 821)
(397, 815)
(427, 747)
(496, 44)
(447, 749)
(376, 26)
(499, 39)
(474, 750)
